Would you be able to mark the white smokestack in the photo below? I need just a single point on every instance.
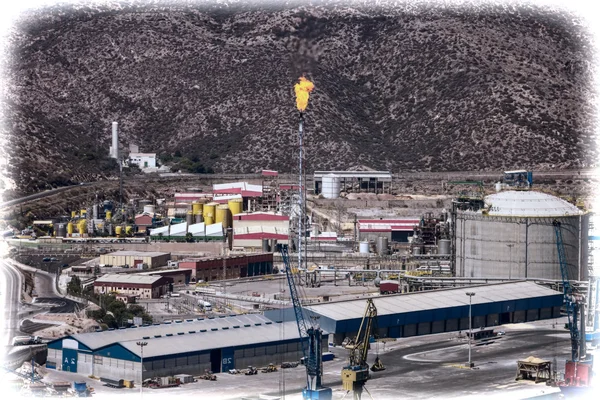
(115, 141)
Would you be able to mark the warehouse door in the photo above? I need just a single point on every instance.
(215, 360)
(69, 360)
(227, 359)
(504, 318)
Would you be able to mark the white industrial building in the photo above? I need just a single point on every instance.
(133, 259)
(143, 160)
(199, 231)
(249, 230)
(143, 286)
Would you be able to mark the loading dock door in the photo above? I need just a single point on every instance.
(215, 360)
(69, 358)
(227, 361)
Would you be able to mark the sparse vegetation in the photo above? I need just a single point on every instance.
(489, 88)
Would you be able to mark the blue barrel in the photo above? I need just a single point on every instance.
(79, 387)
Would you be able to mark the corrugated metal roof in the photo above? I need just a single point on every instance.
(431, 300)
(199, 341)
(524, 203)
(127, 278)
(96, 340)
(381, 175)
(137, 253)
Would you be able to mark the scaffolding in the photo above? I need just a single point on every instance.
(270, 191)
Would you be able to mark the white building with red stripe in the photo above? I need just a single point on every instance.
(249, 230)
(396, 230)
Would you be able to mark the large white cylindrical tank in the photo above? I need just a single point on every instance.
(363, 248)
(149, 209)
(331, 186)
(516, 238)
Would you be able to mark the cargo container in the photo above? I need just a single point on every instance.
(388, 287)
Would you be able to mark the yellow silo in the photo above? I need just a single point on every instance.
(81, 226)
(221, 213)
(118, 230)
(108, 215)
(236, 206)
(208, 213)
(197, 208)
(73, 214)
(129, 230)
(70, 228)
(83, 213)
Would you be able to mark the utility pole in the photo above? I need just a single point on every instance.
(142, 344)
(470, 294)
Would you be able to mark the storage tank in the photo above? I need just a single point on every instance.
(417, 250)
(95, 211)
(118, 230)
(149, 208)
(129, 230)
(81, 226)
(61, 230)
(189, 218)
(197, 208)
(444, 247)
(382, 245)
(70, 228)
(363, 248)
(515, 239)
(331, 186)
(73, 214)
(208, 212)
(236, 206)
(221, 214)
(108, 215)
(83, 213)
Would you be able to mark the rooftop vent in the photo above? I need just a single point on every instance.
(169, 334)
(214, 329)
(191, 331)
(180, 333)
(236, 326)
(202, 330)
(157, 335)
(225, 327)
(146, 337)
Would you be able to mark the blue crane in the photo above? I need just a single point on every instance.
(578, 370)
(310, 338)
(571, 305)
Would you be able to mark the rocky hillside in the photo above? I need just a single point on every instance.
(396, 88)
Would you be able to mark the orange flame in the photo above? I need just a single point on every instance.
(302, 89)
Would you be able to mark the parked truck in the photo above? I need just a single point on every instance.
(205, 305)
(26, 340)
(388, 287)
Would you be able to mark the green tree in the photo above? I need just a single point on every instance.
(74, 286)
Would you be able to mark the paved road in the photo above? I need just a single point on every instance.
(10, 282)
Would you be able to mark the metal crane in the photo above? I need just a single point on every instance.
(578, 371)
(356, 373)
(311, 340)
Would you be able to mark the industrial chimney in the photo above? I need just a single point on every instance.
(114, 149)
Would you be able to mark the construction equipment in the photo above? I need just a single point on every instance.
(251, 371)
(578, 370)
(208, 376)
(269, 368)
(356, 373)
(311, 340)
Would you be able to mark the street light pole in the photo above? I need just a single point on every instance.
(142, 344)
(470, 294)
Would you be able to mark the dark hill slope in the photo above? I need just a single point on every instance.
(437, 89)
